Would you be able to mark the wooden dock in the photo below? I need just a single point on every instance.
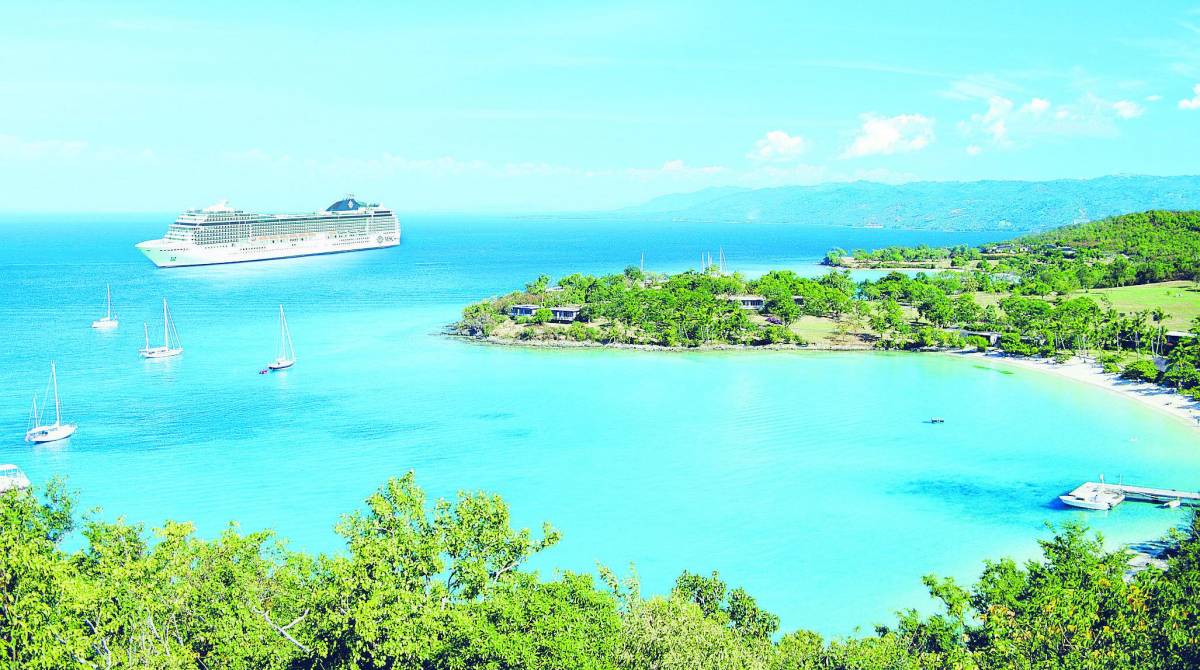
(1102, 495)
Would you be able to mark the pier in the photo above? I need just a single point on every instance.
(1103, 496)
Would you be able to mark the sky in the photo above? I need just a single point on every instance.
(560, 106)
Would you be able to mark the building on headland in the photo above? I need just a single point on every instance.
(1005, 248)
(560, 314)
(523, 310)
(565, 313)
(1174, 337)
(752, 302)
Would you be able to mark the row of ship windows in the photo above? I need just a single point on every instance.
(255, 219)
(257, 229)
(205, 237)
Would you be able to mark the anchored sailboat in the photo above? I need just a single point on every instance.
(106, 322)
(166, 350)
(287, 353)
(53, 432)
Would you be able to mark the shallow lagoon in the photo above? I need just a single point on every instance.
(810, 478)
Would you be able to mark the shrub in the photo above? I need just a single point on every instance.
(778, 335)
(543, 315)
(576, 331)
(1142, 370)
(1110, 367)
(978, 341)
(1011, 343)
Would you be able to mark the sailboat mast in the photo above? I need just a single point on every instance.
(57, 410)
(166, 327)
(146, 329)
(108, 292)
(282, 334)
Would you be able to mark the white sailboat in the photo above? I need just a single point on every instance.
(39, 433)
(106, 322)
(287, 353)
(166, 350)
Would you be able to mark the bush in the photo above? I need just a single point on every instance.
(780, 335)
(1011, 343)
(1062, 356)
(1110, 367)
(543, 315)
(979, 342)
(1142, 370)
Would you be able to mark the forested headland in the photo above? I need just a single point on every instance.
(1125, 290)
(446, 585)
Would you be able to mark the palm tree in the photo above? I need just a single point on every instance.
(1160, 333)
(1137, 324)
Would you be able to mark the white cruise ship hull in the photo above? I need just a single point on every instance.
(170, 254)
(221, 234)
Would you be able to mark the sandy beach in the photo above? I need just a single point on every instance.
(1089, 372)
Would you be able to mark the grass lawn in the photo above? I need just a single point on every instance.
(1180, 299)
(821, 331)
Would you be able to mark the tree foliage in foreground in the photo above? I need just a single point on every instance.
(444, 585)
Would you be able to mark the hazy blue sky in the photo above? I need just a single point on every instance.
(549, 106)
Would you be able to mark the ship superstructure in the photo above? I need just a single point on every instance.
(221, 234)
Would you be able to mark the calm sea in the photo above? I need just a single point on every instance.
(811, 479)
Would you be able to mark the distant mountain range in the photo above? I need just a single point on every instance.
(977, 205)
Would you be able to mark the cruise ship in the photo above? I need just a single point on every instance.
(221, 234)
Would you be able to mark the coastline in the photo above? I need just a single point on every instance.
(1088, 371)
(588, 344)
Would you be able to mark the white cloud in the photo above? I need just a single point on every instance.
(1153, 98)
(1127, 109)
(994, 122)
(974, 150)
(778, 146)
(891, 134)
(1193, 102)
(1038, 105)
(1005, 124)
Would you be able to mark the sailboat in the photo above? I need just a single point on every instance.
(106, 322)
(166, 350)
(53, 432)
(287, 353)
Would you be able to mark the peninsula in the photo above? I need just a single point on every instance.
(1124, 291)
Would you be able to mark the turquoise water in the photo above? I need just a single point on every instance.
(809, 478)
